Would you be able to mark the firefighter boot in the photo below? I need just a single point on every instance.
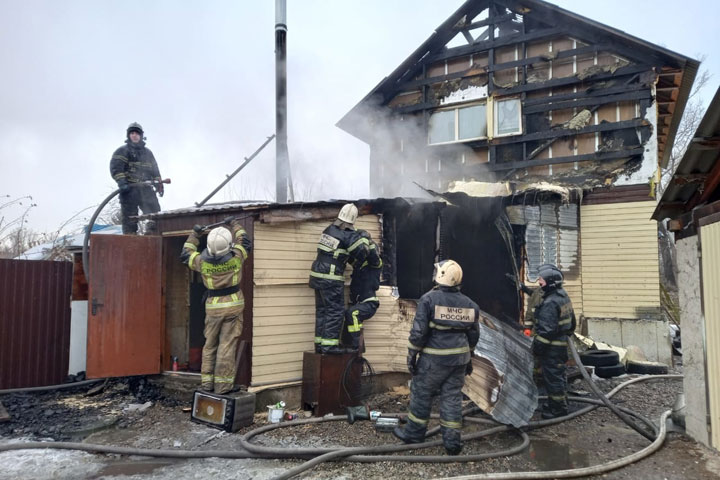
(400, 433)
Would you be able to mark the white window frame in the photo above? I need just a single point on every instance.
(491, 123)
(456, 109)
(496, 121)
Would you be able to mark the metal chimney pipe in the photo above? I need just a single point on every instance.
(282, 161)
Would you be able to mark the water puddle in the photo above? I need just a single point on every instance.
(549, 455)
(131, 467)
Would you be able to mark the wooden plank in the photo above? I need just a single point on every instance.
(288, 329)
(280, 339)
(277, 358)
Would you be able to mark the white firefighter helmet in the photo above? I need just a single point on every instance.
(447, 273)
(348, 213)
(219, 241)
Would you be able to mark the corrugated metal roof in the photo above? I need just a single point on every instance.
(696, 160)
(514, 395)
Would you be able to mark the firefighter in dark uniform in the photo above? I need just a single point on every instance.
(133, 163)
(444, 334)
(338, 243)
(554, 321)
(364, 282)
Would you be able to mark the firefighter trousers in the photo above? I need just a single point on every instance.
(136, 197)
(329, 312)
(430, 380)
(219, 367)
(354, 318)
(553, 360)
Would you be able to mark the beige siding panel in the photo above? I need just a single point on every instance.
(710, 245)
(620, 272)
(386, 334)
(283, 303)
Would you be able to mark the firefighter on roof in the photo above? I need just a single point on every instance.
(220, 265)
(133, 163)
(444, 334)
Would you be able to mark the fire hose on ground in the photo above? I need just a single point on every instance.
(381, 453)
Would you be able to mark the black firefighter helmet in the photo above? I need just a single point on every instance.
(135, 127)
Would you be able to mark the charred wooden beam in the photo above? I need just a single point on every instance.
(589, 92)
(684, 179)
(705, 143)
(567, 81)
(598, 156)
(489, 21)
(494, 43)
(593, 101)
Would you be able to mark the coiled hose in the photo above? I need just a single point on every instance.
(364, 454)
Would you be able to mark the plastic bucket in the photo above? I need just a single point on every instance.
(275, 414)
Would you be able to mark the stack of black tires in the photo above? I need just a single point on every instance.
(607, 364)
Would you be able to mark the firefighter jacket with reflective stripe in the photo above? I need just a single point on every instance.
(219, 274)
(365, 279)
(554, 317)
(445, 326)
(335, 246)
(133, 162)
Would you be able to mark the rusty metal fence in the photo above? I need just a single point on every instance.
(34, 322)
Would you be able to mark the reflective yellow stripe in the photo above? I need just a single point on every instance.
(421, 421)
(206, 377)
(326, 276)
(118, 176)
(329, 341)
(235, 278)
(413, 347)
(242, 250)
(192, 259)
(356, 325)
(318, 339)
(325, 249)
(565, 322)
(451, 424)
(446, 351)
(439, 327)
(224, 379)
(332, 270)
(120, 157)
(561, 343)
(215, 304)
(240, 233)
(358, 243)
(209, 282)
(371, 299)
(190, 246)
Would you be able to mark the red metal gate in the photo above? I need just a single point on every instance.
(34, 322)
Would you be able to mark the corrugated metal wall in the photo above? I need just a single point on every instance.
(34, 322)
(551, 236)
(620, 266)
(284, 305)
(710, 246)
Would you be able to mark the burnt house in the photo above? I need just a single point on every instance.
(508, 95)
(145, 307)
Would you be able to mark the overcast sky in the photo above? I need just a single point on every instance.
(199, 77)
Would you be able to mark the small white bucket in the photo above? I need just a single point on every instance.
(275, 414)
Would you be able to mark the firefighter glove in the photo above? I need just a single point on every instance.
(228, 220)
(411, 361)
(246, 243)
(160, 189)
(469, 368)
(198, 229)
(123, 186)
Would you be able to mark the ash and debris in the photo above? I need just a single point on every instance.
(591, 439)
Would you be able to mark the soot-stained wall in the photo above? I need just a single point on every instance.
(469, 236)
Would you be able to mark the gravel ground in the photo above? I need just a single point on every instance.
(594, 438)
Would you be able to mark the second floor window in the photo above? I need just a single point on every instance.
(458, 124)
